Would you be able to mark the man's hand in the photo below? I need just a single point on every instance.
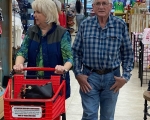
(118, 84)
(84, 85)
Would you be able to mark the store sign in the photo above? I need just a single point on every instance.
(26, 112)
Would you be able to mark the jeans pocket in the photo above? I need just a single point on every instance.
(108, 79)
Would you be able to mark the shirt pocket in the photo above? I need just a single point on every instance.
(110, 49)
(112, 43)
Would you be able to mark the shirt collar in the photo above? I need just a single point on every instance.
(110, 22)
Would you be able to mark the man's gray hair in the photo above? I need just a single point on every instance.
(110, 1)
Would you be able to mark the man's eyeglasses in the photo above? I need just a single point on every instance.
(104, 4)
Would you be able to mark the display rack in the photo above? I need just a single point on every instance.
(144, 63)
(139, 22)
(123, 16)
(135, 39)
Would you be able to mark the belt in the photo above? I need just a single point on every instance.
(102, 71)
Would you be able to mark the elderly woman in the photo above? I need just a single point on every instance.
(46, 44)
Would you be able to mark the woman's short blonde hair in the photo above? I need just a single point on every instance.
(110, 1)
(48, 8)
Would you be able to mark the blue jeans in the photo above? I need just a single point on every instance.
(100, 96)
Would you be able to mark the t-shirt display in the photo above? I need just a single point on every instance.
(119, 7)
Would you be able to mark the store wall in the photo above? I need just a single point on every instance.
(5, 40)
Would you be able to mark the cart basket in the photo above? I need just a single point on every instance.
(16, 108)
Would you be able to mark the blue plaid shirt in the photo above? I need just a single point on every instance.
(103, 48)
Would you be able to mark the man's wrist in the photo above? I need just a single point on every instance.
(77, 72)
(124, 79)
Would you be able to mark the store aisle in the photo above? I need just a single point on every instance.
(130, 103)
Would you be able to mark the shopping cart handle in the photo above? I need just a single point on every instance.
(39, 69)
(12, 72)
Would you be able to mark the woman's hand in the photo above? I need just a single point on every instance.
(59, 69)
(18, 68)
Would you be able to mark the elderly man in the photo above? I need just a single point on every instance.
(100, 46)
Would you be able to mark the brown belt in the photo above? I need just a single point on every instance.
(102, 71)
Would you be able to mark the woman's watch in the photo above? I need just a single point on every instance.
(65, 71)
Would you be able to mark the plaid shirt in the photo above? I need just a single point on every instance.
(103, 48)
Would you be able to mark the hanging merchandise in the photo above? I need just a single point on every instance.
(26, 14)
(16, 24)
(62, 19)
(119, 7)
(146, 36)
(133, 2)
(123, 1)
(148, 4)
(1, 19)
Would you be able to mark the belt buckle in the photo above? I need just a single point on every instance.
(100, 71)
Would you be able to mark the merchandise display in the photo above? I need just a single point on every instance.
(17, 31)
(26, 13)
(22, 18)
(136, 38)
(133, 2)
(1, 19)
(141, 47)
(62, 19)
(119, 7)
(144, 63)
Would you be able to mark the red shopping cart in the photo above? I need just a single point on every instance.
(16, 108)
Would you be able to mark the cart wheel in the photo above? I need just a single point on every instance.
(63, 116)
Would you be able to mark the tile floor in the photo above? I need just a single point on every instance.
(130, 103)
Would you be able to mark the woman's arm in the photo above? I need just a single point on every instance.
(66, 54)
(67, 66)
(19, 60)
(66, 50)
(21, 55)
(18, 67)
